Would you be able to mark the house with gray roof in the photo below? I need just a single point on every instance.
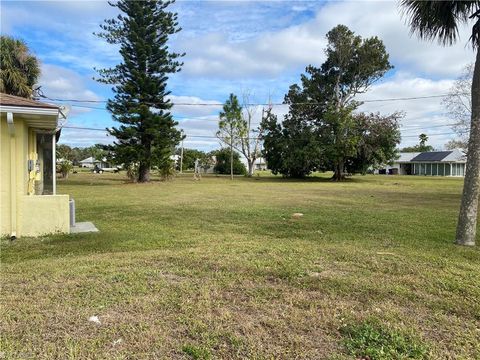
(431, 163)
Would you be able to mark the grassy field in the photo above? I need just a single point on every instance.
(220, 269)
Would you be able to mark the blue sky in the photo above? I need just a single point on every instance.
(259, 47)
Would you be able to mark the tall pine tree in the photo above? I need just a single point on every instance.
(147, 135)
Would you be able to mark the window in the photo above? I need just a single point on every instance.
(422, 169)
(441, 169)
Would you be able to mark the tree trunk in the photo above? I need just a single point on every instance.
(467, 218)
(250, 167)
(339, 171)
(143, 173)
(231, 160)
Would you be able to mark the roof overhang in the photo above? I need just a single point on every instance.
(40, 118)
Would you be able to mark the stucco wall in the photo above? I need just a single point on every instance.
(34, 214)
(4, 176)
(44, 214)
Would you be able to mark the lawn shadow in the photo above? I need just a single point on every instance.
(308, 179)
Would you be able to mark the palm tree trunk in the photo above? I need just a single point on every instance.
(467, 218)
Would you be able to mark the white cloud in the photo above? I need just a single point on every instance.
(84, 138)
(270, 53)
(193, 110)
(60, 83)
(425, 115)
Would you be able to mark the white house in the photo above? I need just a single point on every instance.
(90, 162)
(431, 163)
(260, 164)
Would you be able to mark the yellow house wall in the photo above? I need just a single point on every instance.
(4, 176)
(34, 214)
(44, 214)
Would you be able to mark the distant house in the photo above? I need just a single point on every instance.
(432, 163)
(260, 164)
(90, 162)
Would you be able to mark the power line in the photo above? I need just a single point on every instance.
(105, 130)
(430, 135)
(406, 128)
(215, 137)
(255, 104)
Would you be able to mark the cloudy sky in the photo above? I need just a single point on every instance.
(259, 47)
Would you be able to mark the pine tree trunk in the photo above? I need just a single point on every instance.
(145, 164)
(467, 218)
(143, 173)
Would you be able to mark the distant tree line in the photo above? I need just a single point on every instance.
(77, 154)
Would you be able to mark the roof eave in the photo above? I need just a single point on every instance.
(30, 110)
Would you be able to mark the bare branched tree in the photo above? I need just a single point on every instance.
(250, 136)
(458, 104)
(237, 131)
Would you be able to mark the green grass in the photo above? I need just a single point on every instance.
(372, 341)
(219, 269)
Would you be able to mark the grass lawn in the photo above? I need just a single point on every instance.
(220, 269)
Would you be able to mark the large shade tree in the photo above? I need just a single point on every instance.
(326, 95)
(320, 131)
(440, 20)
(19, 68)
(147, 135)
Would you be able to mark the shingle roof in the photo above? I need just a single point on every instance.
(432, 156)
(11, 100)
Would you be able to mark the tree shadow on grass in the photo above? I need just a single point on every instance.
(309, 179)
(96, 182)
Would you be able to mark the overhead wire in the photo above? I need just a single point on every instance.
(405, 128)
(258, 104)
(215, 137)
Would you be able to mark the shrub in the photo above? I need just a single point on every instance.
(223, 163)
(132, 172)
(166, 169)
(65, 167)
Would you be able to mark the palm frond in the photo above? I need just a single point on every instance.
(439, 20)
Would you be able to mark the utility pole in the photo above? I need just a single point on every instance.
(181, 159)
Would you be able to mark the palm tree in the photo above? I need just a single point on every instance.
(423, 139)
(440, 20)
(19, 69)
